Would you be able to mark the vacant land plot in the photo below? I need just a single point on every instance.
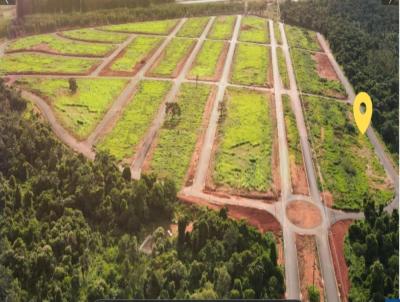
(162, 27)
(33, 63)
(56, 45)
(251, 65)
(349, 166)
(283, 72)
(243, 160)
(308, 78)
(209, 61)
(302, 38)
(81, 111)
(222, 28)
(254, 29)
(135, 120)
(93, 35)
(172, 58)
(177, 139)
(277, 33)
(193, 27)
(134, 55)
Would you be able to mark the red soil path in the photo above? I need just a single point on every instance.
(303, 214)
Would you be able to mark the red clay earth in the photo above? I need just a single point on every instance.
(299, 179)
(324, 67)
(309, 270)
(336, 240)
(303, 214)
(327, 198)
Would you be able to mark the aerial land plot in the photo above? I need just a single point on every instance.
(244, 156)
(315, 75)
(133, 56)
(193, 27)
(251, 65)
(348, 164)
(162, 27)
(172, 58)
(209, 61)
(176, 140)
(56, 45)
(93, 35)
(277, 33)
(302, 38)
(254, 29)
(222, 28)
(81, 111)
(37, 63)
(283, 72)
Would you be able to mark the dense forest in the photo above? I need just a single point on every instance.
(364, 38)
(69, 228)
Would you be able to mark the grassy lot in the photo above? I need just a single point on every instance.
(244, 156)
(349, 166)
(193, 27)
(162, 27)
(308, 79)
(251, 65)
(222, 28)
(136, 119)
(283, 68)
(57, 45)
(82, 111)
(93, 35)
(174, 53)
(134, 53)
(44, 63)
(177, 139)
(205, 65)
(277, 33)
(292, 133)
(254, 29)
(301, 38)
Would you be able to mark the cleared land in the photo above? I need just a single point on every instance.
(243, 160)
(36, 63)
(222, 28)
(302, 38)
(93, 35)
(135, 120)
(209, 61)
(254, 29)
(193, 27)
(78, 112)
(348, 164)
(283, 72)
(162, 27)
(174, 55)
(56, 45)
(251, 65)
(177, 138)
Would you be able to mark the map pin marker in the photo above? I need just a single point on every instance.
(362, 118)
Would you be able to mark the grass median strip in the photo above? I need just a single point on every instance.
(93, 35)
(283, 72)
(254, 29)
(302, 38)
(193, 27)
(292, 133)
(162, 27)
(277, 33)
(222, 28)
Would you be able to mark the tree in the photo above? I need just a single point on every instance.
(313, 293)
(126, 173)
(73, 86)
(222, 281)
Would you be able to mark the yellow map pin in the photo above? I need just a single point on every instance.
(362, 118)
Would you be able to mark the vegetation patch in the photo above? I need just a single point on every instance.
(94, 35)
(222, 28)
(78, 110)
(136, 119)
(244, 157)
(283, 72)
(277, 33)
(251, 65)
(254, 29)
(302, 38)
(161, 27)
(292, 133)
(349, 167)
(193, 27)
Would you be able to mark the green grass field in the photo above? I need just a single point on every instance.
(176, 143)
(301, 38)
(44, 63)
(82, 111)
(283, 72)
(174, 53)
(205, 65)
(93, 35)
(251, 65)
(277, 33)
(134, 53)
(136, 119)
(193, 27)
(308, 78)
(57, 45)
(254, 29)
(349, 166)
(244, 156)
(292, 134)
(162, 27)
(222, 28)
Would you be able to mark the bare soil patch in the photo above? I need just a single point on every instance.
(299, 178)
(327, 197)
(174, 228)
(303, 214)
(324, 67)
